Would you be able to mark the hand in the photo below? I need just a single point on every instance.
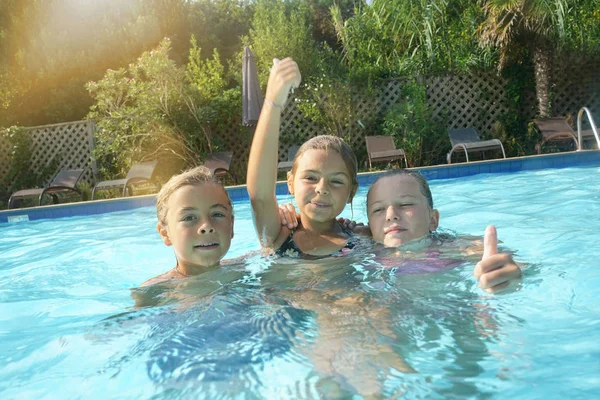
(288, 216)
(495, 272)
(355, 227)
(348, 224)
(284, 76)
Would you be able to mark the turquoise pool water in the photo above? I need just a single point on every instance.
(68, 328)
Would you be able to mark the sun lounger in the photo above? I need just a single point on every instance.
(555, 130)
(287, 165)
(219, 164)
(467, 139)
(138, 174)
(383, 149)
(64, 181)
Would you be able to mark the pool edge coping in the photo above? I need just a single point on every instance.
(239, 192)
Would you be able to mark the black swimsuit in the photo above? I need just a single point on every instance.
(289, 248)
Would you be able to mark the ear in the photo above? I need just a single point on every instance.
(352, 193)
(434, 220)
(232, 221)
(164, 234)
(290, 182)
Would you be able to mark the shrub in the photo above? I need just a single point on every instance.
(157, 109)
(20, 175)
(411, 124)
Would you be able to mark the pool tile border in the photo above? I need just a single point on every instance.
(453, 171)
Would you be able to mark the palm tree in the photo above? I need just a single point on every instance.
(536, 26)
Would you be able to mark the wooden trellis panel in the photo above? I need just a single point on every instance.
(70, 144)
(389, 94)
(467, 101)
(237, 139)
(460, 101)
(577, 85)
(5, 157)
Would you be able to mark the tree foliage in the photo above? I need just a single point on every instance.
(537, 29)
(157, 109)
(411, 125)
(51, 48)
(281, 29)
(396, 37)
(150, 98)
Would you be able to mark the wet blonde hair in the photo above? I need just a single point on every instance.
(421, 180)
(192, 177)
(329, 143)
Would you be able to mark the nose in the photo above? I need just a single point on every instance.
(322, 187)
(391, 214)
(205, 228)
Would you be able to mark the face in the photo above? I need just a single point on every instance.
(321, 185)
(199, 225)
(398, 211)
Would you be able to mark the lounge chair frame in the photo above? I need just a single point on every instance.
(287, 165)
(138, 173)
(382, 149)
(64, 181)
(467, 139)
(219, 164)
(555, 130)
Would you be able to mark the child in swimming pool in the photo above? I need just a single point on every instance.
(195, 216)
(400, 211)
(322, 179)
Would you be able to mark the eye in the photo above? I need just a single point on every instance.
(310, 178)
(218, 214)
(376, 210)
(189, 218)
(338, 182)
(405, 205)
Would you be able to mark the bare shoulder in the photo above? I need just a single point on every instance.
(167, 276)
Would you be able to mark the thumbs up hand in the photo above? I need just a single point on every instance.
(495, 272)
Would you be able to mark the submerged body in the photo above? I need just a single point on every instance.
(63, 278)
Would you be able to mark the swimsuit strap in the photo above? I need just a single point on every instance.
(289, 248)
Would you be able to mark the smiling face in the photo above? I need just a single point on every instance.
(398, 211)
(199, 226)
(321, 185)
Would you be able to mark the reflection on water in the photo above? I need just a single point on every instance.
(377, 323)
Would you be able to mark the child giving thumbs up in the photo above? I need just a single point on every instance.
(495, 272)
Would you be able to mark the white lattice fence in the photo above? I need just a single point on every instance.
(5, 156)
(467, 101)
(460, 100)
(237, 139)
(577, 85)
(69, 144)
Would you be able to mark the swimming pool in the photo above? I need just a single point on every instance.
(68, 329)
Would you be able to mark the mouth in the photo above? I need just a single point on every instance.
(320, 204)
(394, 229)
(207, 246)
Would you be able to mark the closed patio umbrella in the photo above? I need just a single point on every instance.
(252, 98)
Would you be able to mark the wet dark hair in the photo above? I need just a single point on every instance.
(416, 175)
(329, 142)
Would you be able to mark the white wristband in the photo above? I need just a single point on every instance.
(269, 102)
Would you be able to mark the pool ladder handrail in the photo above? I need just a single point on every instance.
(592, 124)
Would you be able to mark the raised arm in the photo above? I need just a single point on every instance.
(262, 165)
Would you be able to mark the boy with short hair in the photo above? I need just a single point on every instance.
(195, 216)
